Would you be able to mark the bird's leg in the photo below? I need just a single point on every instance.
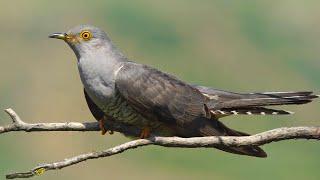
(145, 133)
(101, 125)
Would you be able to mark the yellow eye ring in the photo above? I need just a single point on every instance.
(86, 35)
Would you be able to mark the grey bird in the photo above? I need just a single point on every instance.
(156, 102)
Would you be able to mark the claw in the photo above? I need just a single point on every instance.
(145, 133)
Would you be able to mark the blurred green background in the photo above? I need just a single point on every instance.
(234, 45)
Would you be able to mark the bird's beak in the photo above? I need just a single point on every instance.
(62, 36)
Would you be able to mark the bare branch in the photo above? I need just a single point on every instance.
(196, 142)
(19, 125)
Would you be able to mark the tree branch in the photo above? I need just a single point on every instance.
(19, 125)
(214, 141)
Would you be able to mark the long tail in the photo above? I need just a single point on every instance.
(216, 128)
(223, 103)
(269, 99)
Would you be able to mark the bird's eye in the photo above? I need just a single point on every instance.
(86, 35)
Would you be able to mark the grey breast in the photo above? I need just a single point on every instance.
(97, 76)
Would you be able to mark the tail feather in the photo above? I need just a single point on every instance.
(249, 111)
(223, 103)
(285, 94)
(225, 99)
(253, 100)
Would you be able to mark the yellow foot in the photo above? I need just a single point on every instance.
(145, 133)
(102, 128)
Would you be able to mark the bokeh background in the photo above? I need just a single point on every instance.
(234, 45)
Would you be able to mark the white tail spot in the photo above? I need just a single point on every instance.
(235, 112)
(249, 113)
(263, 113)
(275, 113)
(290, 112)
(213, 112)
(292, 97)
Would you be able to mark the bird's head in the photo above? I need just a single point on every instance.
(83, 39)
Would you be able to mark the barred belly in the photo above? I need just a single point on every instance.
(119, 109)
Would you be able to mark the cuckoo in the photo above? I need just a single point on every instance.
(156, 102)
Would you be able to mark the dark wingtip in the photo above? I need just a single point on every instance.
(312, 96)
(262, 154)
(255, 151)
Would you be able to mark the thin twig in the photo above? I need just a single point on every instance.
(196, 142)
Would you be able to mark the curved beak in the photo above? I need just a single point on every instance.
(62, 36)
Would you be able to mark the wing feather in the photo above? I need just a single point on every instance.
(157, 95)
